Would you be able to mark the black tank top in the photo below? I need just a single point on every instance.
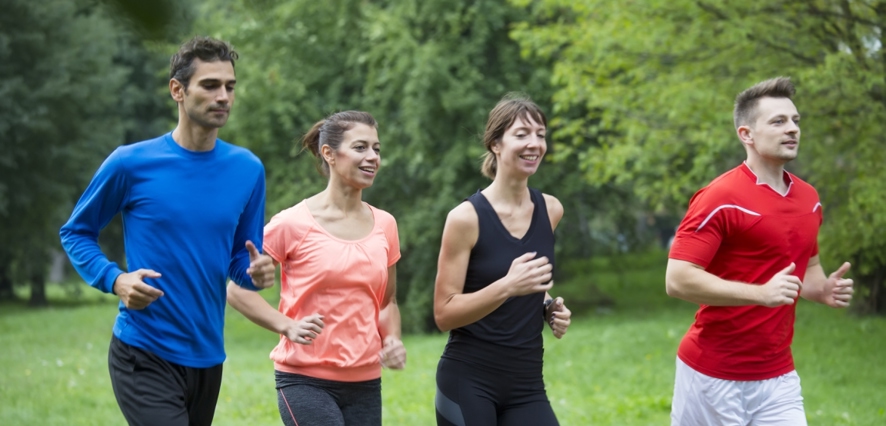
(510, 337)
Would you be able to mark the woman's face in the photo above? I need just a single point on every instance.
(358, 158)
(521, 147)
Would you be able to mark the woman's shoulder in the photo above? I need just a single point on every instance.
(296, 211)
(554, 208)
(381, 215)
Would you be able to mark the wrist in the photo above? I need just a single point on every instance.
(503, 289)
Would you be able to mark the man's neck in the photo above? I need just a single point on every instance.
(194, 138)
(769, 173)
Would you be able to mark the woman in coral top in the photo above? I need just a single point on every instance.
(338, 319)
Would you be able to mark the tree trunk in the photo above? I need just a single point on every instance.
(38, 289)
(5, 283)
(874, 302)
(878, 294)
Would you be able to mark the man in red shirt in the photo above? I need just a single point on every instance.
(745, 251)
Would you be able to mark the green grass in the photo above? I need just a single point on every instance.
(614, 367)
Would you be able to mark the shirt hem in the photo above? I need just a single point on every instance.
(339, 374)
(739, 377)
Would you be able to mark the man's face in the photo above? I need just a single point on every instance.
(208, 99)
(775, 134)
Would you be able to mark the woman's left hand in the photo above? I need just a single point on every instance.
(558, 317)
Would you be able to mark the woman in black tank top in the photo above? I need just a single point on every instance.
(493, 277)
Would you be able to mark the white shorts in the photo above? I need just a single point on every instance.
(701, 400)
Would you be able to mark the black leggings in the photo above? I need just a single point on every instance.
(308, 401)
(472, 396)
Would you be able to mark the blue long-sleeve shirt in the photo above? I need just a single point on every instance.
(186, 215)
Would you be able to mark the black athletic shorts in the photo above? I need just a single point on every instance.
(154, 392)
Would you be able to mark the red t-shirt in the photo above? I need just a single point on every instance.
(741, 230)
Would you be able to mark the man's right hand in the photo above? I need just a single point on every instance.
(782, 289)
(132, 290)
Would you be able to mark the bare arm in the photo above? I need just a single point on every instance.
(389, 316)
(690, 282)
(452, 307)
(555, 210)
(557, 315)
(254, 307)
(393, 353)
(834, 290)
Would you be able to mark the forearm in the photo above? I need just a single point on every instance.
(693, 284)
(389, 321)
(814, 283)
(88, 259)
(103, 199)
(462, 309)
(254, 307)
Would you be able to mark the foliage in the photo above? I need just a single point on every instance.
(76, 82)
(58, 82)
(656, 79)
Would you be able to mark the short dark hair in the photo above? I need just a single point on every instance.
(745, 112)
(207, 49)
(514, 105)
(330, 131)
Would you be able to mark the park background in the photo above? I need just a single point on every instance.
(639, 100)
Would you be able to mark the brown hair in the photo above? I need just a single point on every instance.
(207, 49)
(330, 131)
(505, 113)
(745, 112)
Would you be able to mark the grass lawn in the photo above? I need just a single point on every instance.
(614, 367)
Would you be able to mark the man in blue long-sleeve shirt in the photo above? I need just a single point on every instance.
(193, 211)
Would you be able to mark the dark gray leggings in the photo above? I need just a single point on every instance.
(308, 401)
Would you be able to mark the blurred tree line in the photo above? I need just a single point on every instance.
(638, 95)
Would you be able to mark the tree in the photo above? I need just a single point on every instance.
(657, 81)
(59, 85)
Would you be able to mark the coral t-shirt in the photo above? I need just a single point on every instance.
(742, 230)
(342, 280)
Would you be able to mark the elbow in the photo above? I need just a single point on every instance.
(672, 287)
(441, 321)
(232, 298)
(65, 234)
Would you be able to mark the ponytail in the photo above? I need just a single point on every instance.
(490, 164)
(311, 142)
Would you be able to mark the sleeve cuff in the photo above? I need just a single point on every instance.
(107, 284)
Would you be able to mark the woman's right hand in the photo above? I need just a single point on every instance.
(529, 274)
(305, 330)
